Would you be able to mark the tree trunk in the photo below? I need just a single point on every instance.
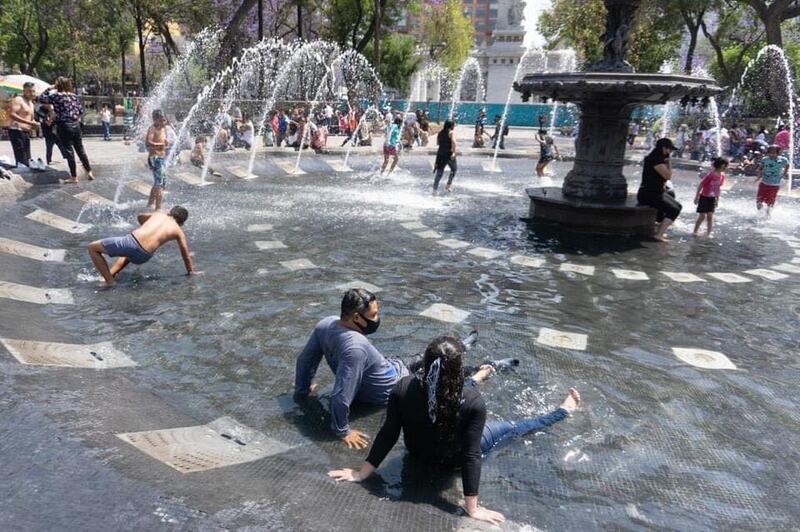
(773, 26)
(124, 73)
(140, 34)
(690, 51)
(299, 19)
(260, 20)
(377, 59)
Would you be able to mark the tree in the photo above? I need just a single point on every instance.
(693, 13)
(580, 24)
(773, 14)
(27, 26)
(446, 24)
(735, 41)
(351, 23)
(399, 61)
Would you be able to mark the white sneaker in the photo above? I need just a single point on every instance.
(41, 164)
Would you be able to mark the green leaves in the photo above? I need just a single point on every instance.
(448, 31)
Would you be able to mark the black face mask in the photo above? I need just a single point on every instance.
(372, 325)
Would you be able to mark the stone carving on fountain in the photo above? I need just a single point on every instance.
(619, 22)
(606, 95)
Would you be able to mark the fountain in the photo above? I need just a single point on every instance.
(594, 196)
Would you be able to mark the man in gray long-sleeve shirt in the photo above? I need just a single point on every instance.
(362, 373)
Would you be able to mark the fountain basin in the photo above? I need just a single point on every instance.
(633, 88)
(594, 216)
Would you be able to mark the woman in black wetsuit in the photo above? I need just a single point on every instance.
(446, 155)
(443, 419)
(656, 171)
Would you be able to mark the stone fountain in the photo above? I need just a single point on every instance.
(594, 196)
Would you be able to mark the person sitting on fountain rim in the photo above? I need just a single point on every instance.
(139, 246)
(656, 172)
(443, 419)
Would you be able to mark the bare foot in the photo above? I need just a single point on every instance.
(572, 402)
(449, 188)
(660, 238)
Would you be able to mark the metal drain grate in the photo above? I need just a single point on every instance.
(267, 245)
(141, 187)
(29, 251)
(359, 284)
(445, 313)
(240, 172)
(298, 264)
(32, 294)
(338, 166)
(258, 228)
(58, 222)
(564, 340)
(288, 166)
(485, 253)
(577, 268)
(221, 443)
(102, 355)
(90, 197)
(192, 179)
(764, 273)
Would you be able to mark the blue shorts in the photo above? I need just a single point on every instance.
(126, 246)
(159, 174)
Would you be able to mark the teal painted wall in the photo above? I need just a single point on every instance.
(525, 115)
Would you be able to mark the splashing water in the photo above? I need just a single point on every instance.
(790, 92)
(202, 46)
(470, 65)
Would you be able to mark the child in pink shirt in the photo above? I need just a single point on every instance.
(707, 195)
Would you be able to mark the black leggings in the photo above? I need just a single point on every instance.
(440, 164)
(21, 144)
(665, 203)
(50, 140)
(71, 142)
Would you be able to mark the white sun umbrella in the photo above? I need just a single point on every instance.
(14, 83)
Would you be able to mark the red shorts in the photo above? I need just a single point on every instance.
(389, 150)
(767, 193)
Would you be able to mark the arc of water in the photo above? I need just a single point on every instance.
(712, 103)
(166, 88)
(361, 122)
(250, 57)
(504, 117)
(790, 92)
(469, 64)
(309, 122)
(281, 80)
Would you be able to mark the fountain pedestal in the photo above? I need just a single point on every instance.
(594, 196)
(597, 172)
(620, 217)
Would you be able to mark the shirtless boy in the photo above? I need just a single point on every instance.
(156, 155)
(139, 246)
(22, 123)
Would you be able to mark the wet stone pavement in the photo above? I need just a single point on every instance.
(165, 402)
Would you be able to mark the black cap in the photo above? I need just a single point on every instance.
(665, 143)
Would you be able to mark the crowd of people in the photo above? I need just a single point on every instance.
(656, 190)
(57, 114)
